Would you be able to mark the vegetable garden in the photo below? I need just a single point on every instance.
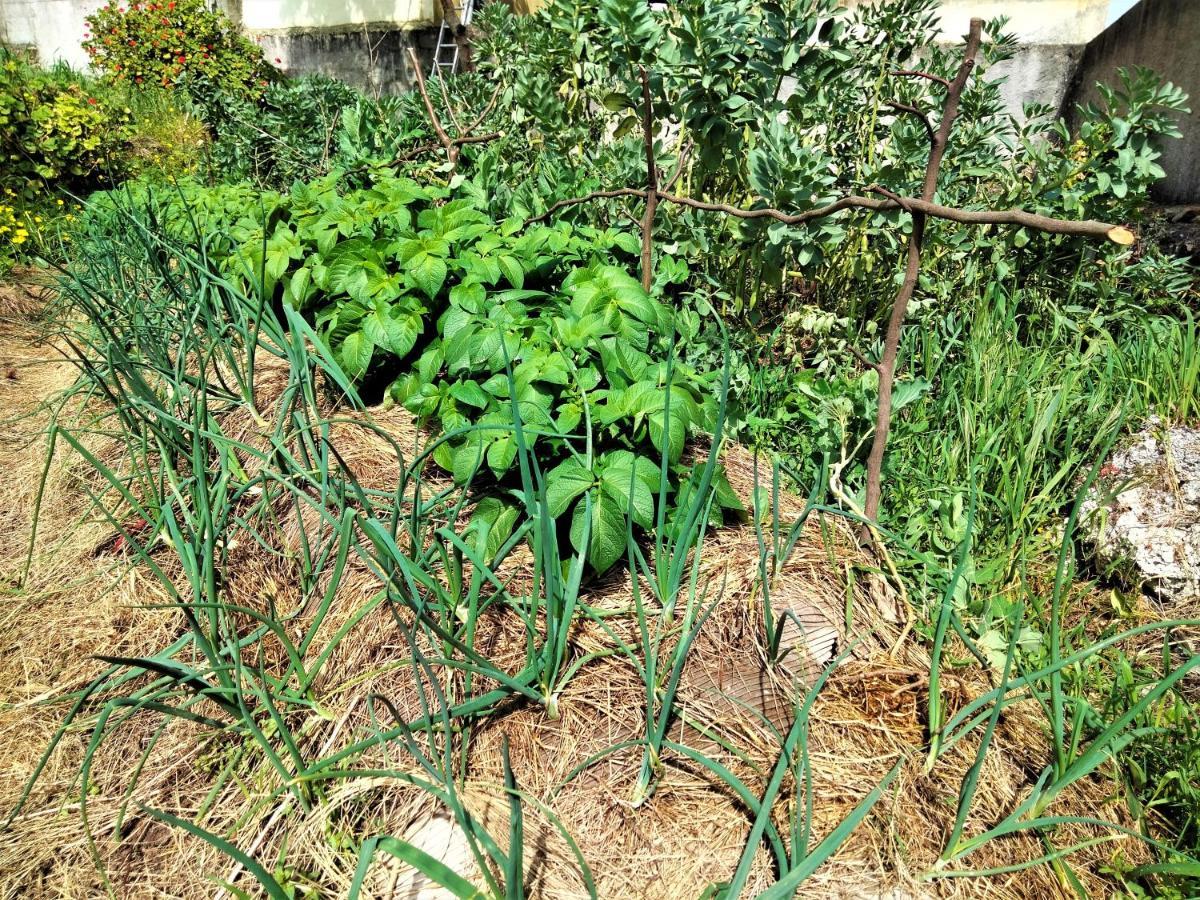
(649, 465)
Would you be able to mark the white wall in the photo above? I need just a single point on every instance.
(1032, 21)
(273, 15)
(53, 27)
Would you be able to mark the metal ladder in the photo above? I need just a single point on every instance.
(445, 56)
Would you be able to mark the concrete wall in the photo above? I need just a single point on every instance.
(362, 42)
(372, 58)
(277, 15)
(53, 29)
(1163, 35)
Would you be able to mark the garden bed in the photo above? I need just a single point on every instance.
(690, 833)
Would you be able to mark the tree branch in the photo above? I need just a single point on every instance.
(1019, 217)
(912, 110)
(917, 73)
(443, 138)
(575, 201)
(912, 269)
(861, 357)
(684, 150)
(651, 184)
(451, 145)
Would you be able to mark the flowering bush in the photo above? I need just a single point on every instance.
(26, 233)
(172, 43)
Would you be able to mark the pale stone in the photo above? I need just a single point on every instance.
(1150, 531)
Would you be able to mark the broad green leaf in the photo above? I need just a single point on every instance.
(564, 483)
(470, 295)
(606, 543)
(428, 273)
(668, 434)
(499, 518)
(631, 493)
(513, 272)
(354, 354)
(501, 453)
(470, 393)
(393, 327)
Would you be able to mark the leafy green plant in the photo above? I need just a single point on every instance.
(488, 318)
(58, 132)
(293, 131)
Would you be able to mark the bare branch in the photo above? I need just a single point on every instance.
(575, 201)
(684, 151)
(651, 183)
(858, 354)
(912, 110)
(912, 270)
(487, 110)
(916, 73)
(449, 144)
(442, 136)
(1019, 217)
(446, 100)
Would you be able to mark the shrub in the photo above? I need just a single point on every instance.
(168, 43)
(290, 133)
(55, 131)
(166, 140)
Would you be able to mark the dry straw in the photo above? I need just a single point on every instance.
(83, 597)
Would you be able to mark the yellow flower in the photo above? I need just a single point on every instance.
(59, 202)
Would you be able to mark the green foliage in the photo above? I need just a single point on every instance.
(57, 131)
(169, 42)
(292, 132)
(561, 396)
(494, 330)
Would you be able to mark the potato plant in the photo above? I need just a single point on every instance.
(489, 333)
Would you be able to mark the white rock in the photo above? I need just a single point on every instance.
(1150, 531)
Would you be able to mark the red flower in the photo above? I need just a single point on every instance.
(92, 101)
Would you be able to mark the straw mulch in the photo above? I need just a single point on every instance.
(82, 598)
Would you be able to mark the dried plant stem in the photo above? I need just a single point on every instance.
(651, 184)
